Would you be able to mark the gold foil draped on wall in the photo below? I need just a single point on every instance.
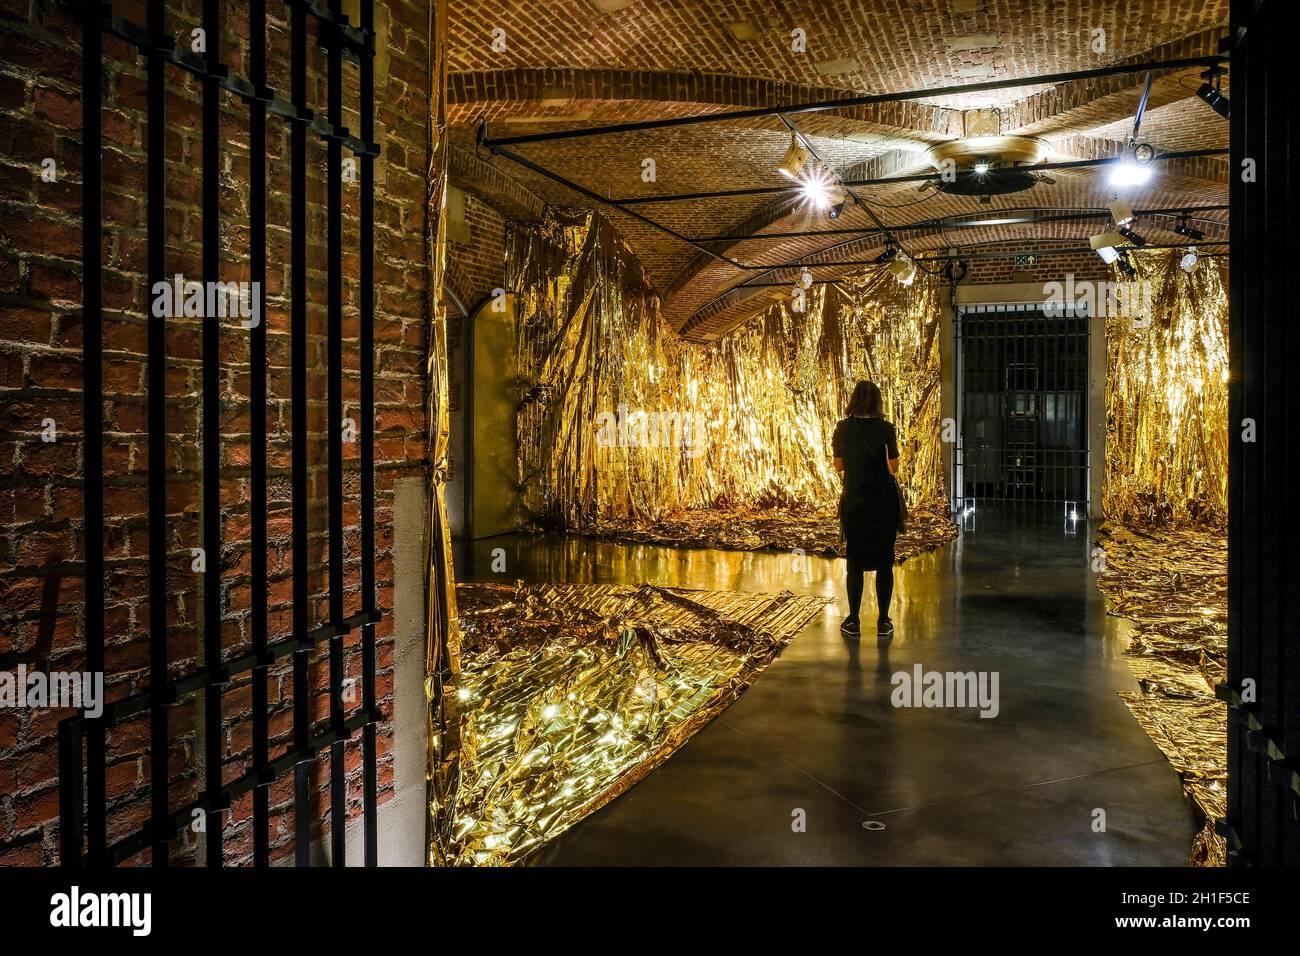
(1165, 496)
(624, 421)
(442, 635)
(1167, 398)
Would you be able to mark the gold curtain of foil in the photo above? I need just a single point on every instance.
(442, 661)
(1165, 494)
(570, 694)
(1167, 399)
(762, 402)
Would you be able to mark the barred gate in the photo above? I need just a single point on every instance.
(82, 739)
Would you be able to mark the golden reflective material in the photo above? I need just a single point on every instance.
(1173, 584)
(1166, 489)
(625, 428)
(1167, 396)
(441, 652)
(569, 694)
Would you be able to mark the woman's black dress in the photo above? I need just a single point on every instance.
(869, 501)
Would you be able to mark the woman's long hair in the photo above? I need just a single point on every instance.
(865, 401)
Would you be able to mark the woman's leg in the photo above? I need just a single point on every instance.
(884, 589)
(853, 584)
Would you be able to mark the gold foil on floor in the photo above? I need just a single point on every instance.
(570, 694)
(796, 530)
(1173, 585)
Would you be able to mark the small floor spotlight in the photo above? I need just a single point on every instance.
(1183, 229)
(795, 157)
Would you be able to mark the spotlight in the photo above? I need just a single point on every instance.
(795, 157)
(904, 270)
(1121, 212)
(891, 250)
(814, 191)
(1213, 97)
(837, 209)
(1124, 266)
(1189, 261)
(1132, 236)
(1183, 229)
(805, 279)
(1143, 153)
(1104, 243)
(1129, 171)
(982, 167)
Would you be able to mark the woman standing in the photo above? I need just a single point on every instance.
(866, 456)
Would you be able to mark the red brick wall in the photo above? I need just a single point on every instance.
(41, 519)
(1046, 267)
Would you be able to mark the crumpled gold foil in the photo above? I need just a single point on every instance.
(442, 637)
(1167, 398)
(761, 402)
(570, 694)
(1165, 491)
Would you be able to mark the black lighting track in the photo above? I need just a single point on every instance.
(856, 101)
(82, 740)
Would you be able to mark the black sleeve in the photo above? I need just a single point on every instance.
(837, 440)
(891, 443)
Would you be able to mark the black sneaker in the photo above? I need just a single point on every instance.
(885, 628)
(849, 627)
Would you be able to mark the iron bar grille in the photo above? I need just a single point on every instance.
(83, 810)
(1022, 387)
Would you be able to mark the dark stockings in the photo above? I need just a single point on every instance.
(884, 588)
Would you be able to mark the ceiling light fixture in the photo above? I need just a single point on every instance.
(795, 158)
(1121, 212)
(1183, 229)
(904, 270)
(982, 167)
(1105, 244)
(1189, 261)
(1212, 93)
(891, 250)
(1132, 236)
(1130, 171)
(1124, 266)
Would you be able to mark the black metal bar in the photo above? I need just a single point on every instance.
(257, 433)
(70, 792)
(156, 225)
(298, 455)
(855, 101)
(334, 423)
(985, 220)
(370, 762)
(211, 454)
(92, 338)
(881, 181)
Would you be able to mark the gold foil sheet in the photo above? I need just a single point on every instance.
(1172, 583)
(1165, 491)
(570, 694)
(624, 427)
(1167, 398)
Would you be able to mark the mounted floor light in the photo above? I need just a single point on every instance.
(795, 158)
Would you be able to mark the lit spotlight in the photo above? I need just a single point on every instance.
(982, 167)
(1105, 244)
(1189, 261)
(904, 270)
(1129, 173)
(795, 157)
(1183, 229)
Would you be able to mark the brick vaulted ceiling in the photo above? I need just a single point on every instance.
(573, 63)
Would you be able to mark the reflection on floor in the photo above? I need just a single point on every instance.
(814, 765)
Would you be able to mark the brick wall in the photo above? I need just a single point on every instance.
(41, 519)
(1045, 267)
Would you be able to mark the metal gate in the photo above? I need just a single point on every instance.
(1022, 407)
(83, 815)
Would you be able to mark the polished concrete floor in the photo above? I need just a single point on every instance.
(817, 739)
